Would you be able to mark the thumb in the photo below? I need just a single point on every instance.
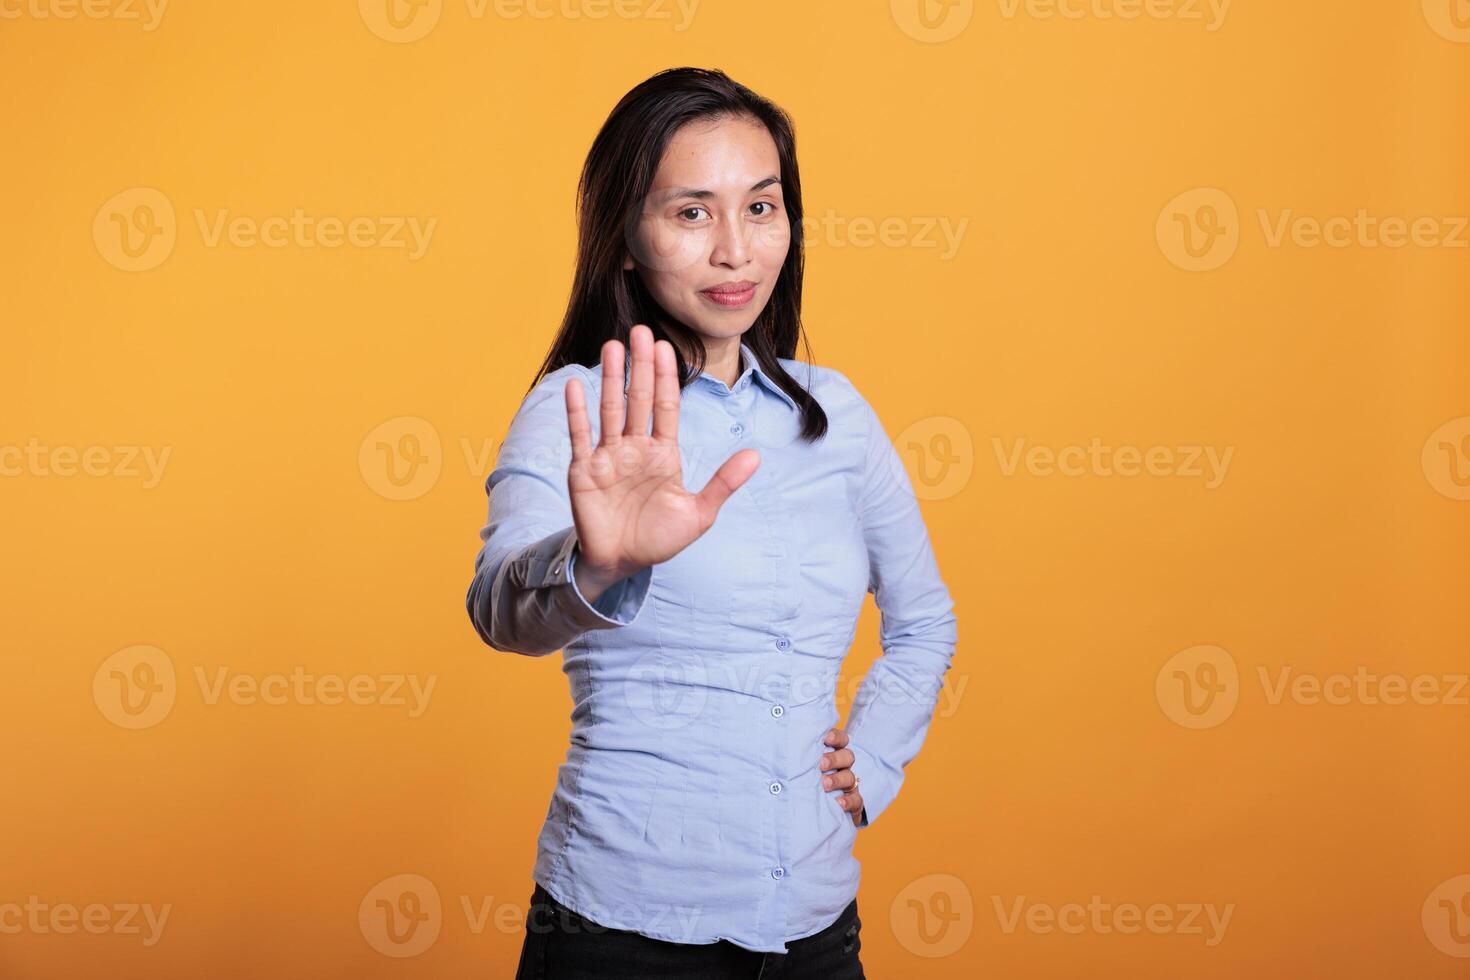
(727, 479)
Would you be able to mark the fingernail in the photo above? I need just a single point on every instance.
(826, 782)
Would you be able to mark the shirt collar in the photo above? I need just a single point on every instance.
(752, 367)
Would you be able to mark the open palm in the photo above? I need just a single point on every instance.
(628, 498)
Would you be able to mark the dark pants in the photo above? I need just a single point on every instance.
(562, 945)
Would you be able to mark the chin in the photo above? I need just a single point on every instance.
(723, 327)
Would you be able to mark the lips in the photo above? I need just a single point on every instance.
(731, 294)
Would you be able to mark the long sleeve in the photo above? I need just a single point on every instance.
(523, 597)
(894, 705)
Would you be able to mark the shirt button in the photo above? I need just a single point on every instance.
(778, 873)
(783, 644)
(777, 711)
(736, 429)
(775, 789)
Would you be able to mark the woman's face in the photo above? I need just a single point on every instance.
(713, 231)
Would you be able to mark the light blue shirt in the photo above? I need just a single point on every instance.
(690, 806)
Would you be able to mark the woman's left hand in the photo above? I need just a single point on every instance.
(837, 772)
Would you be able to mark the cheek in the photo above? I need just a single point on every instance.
(668, 250)
(772, 243)
(666, 289)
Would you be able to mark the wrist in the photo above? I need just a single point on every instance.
(593, 579)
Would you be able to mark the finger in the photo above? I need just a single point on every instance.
(852, 802)
(612, 393)
(841, 779)
(665, 392)
(727, 479)
(836, 737)
(640, 385)
(841, 759)
(578, 422)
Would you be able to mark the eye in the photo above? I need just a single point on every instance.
(770, 208)
(688, 210)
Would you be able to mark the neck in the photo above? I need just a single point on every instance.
(722, 359)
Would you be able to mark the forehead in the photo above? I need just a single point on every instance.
(725, 155)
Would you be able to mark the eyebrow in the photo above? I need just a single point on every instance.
(702, 194)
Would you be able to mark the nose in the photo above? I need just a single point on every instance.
(732, 244)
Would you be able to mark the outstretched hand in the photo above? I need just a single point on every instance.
(629, 503)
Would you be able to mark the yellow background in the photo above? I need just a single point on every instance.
(1334, 542)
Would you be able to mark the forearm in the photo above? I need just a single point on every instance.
(893, 708)
(533, 601)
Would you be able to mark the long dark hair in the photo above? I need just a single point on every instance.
(607, 300)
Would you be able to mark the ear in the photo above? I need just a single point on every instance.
(628, 262)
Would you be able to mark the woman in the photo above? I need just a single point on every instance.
(703, 822)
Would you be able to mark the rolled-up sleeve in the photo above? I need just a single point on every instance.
(523, 597)
(895, 703)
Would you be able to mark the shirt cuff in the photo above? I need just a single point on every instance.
(620, 602)
(879, 783)
(550, 564)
